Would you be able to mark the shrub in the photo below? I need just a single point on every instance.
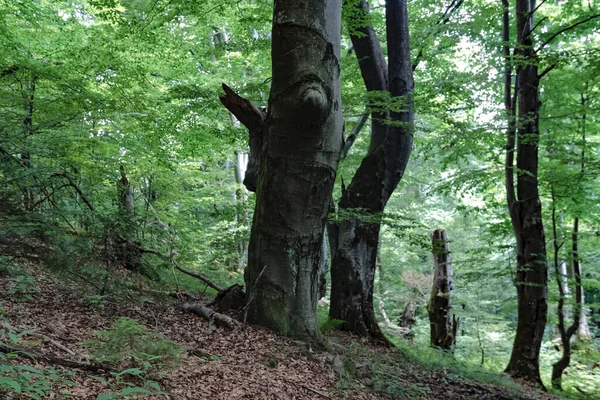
(128, 343)
(31, 382)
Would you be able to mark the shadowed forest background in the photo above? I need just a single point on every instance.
(123, 194)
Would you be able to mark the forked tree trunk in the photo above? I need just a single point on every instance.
(297, 167)
(443, 325)
(358, 226)
(566, 333)
(525, 208)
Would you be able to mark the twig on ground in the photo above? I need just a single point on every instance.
(316, 391)
(55, 343)
(35, 355)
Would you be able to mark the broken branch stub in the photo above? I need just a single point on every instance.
(254, 119)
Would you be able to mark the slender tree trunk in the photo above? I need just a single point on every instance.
(354, 261)
(526, 210)
(241, 207)
(443, 326)
(125, 193)
(564, 281)
(29, 105)
(127, 249)
(298, 168)
(566, 333)
(583, 331)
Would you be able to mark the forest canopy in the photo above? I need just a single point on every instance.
(181, 146)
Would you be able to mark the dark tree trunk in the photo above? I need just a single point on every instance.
(566, 333)
(127, 252)
(302, 143)
(125, 193)
(583, 331)
(525, 208)
(241, 209)
(29, 105)
(579, 324)
(354, 261)
(443, 326)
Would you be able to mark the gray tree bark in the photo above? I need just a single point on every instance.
(241, 206)
(566, 332)
(443, 325)
(302, 139)
(524, 206)
(357, 232)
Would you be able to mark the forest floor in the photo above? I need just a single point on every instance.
(245, 362)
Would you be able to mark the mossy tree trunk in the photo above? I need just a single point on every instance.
(362, 202)
(443, 325)
(299, 141)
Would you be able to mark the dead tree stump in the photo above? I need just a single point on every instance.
(443, 325)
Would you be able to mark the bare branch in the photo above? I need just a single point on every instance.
(354, 134)
(197, 275)
(77, 189)
(443, 20)
(548, 69)
(566, 29)
(253, 118)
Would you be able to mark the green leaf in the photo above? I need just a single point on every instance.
(9, 383)
(132, 371)
(134, 390)
(106, 396)
(30, 369)
(99, 379)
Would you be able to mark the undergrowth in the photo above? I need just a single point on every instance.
(19, 380)
(129, 344)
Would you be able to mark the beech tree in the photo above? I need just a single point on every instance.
(300, 139)
(354, 238)
(522, 105)
(524, 206)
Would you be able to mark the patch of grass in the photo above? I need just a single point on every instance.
(432, 358)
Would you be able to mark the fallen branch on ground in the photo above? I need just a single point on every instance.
(316, 391)
(209, 314)
(37, 356)
(53, 342)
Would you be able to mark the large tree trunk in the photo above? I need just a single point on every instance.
(354, 261)
(443, 325)
(526, 210)
(298, 168)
